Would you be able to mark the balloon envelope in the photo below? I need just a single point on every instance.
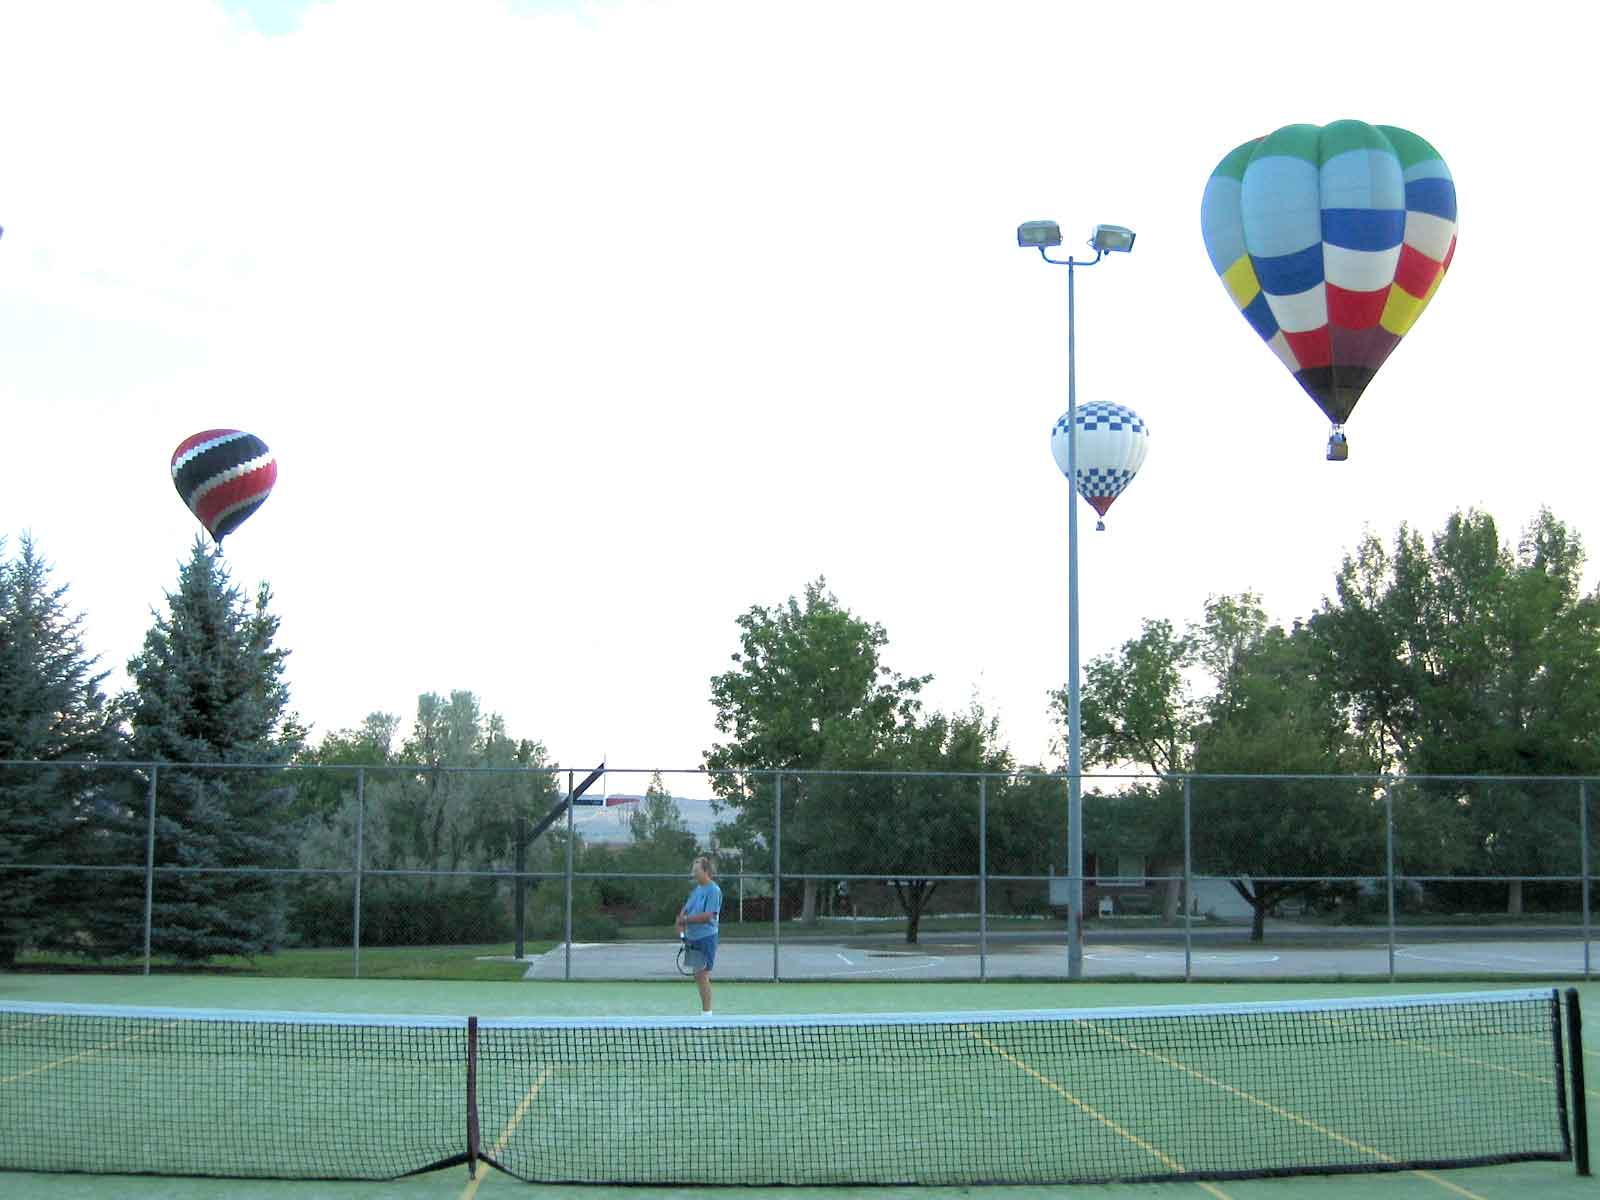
(1112, 441)
(1331, 240)
(223, 476)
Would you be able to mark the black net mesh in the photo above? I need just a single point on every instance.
(1182, 1092)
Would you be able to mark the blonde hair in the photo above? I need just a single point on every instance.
(706, 861)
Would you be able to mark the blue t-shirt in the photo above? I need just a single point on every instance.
(706, 897)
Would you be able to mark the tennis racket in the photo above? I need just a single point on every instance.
(690, 959)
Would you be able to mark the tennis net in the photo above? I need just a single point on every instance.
(1088, 1095)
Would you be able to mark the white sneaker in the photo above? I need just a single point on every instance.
(707, 1013)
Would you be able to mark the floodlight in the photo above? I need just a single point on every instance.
(1039, 234)
(1111, 237)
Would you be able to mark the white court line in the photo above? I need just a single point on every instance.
(1173, 956)
(922, 966)
(1497, 960)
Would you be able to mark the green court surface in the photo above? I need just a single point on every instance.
(1358, 1113)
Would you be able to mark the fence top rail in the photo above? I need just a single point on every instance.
(1383, 779)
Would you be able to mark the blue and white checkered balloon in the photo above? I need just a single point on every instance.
(1112, 441)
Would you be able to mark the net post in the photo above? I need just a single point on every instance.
(149, 861)
(983, 879)
(777, 871)
(1188, 886)
(473, 1144)
(1580, 1108)
(1388, 863)
(361, 829)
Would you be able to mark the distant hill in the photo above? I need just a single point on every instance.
(610, 823)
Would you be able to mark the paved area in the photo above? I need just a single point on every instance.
(948, 957)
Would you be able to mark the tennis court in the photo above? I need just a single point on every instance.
(946, 958)
(989, 1081)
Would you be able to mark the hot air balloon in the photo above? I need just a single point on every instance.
(223, 476)
(1112, 440)
(1331, 240)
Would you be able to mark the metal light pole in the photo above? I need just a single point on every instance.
(1042, 235)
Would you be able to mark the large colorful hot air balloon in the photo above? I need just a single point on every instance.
(1112, 440)
(223, 476)
(1331, 240)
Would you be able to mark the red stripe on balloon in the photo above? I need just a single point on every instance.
(1416, 271)
(252, 485)
(1355, 310)
(1312, 348)
(1101, 503)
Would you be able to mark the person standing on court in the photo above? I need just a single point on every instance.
(697, 924)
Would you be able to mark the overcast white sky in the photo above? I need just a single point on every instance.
(579, 328)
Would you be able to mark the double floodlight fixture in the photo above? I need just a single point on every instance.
(1111, 237)
(1041, 235)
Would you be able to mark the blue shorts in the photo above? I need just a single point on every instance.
(706, 947)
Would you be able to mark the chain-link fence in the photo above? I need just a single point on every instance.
(414, 870)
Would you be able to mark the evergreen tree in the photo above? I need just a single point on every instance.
(51, 711)
(209, 696)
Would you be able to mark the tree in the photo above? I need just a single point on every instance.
(52, 710)
(1263, 710)
(1139, 707)
(1468, 658)
(209, 693)
(322, 793)
(912, 812)
(660, 843)
(808, 691)
(929, 820)
(658, 822)
(457, 795)
(1271, 716)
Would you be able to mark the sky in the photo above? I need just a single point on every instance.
(577, 329)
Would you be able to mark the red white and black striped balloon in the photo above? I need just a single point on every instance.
(223, 476)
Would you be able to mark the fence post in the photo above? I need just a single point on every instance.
(777, 873)
(149, 861)
(1388, 866)
(567, 970)
(361, 855)
(983, 880)
(519, 888)
(1188, 885)
(1583, 849)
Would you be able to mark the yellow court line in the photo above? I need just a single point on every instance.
(505, 1134)
(1161, 1156)
(1281, 1112)
(1546, 1080)
(1296, 1118)
(61, 1062)
(1421, 1048)
(20, 1025)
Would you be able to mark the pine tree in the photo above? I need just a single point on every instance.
(51, 711)
(209, 689)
